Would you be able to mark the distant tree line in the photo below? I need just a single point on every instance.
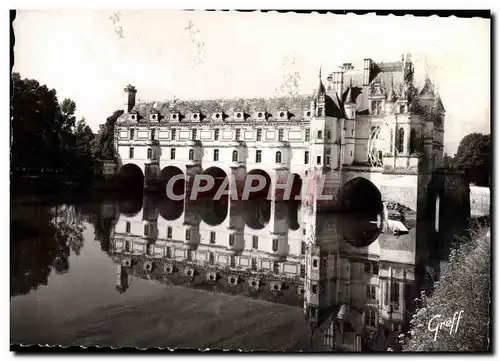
(474, 158)
(47, 141)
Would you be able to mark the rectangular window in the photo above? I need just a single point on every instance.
(132, 134)
(216, 155)
(323, 262)
(191, 154)
(303, 248)
(395, 294)
(375, 268)
(172, 153)
(259, 135)
(318, 159)
(233, 261)
(314, 289)
(306, 157)
(238, 134)
(315, 263)
(231, 239)
(146, 229)
(194, 133)
(173, 134)
(254, 263)
(308, 135)
(169, 252)
(255, 242)
(169, 232)
(153, 134)
(276, 267)
(212, 237)
(258, 156)
(216, 134)
(189, 256)
(281, 134)
(328, 134)
(327, 160)
(302, 271)
(188, 234)
(320, 134)
(127, 227)
(367, 267)
(211, 258)
(131, 153)
(371, 292)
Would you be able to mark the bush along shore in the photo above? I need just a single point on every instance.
(455, 315)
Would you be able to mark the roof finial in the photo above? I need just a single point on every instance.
(320, 72)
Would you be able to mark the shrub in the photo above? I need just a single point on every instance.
(465, 285)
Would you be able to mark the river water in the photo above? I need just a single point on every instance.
(116, 273)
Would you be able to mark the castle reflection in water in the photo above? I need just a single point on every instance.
(355, 282)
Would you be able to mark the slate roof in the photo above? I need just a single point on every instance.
(294, 105)
(388, 76)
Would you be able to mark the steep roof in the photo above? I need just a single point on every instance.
(295, 105)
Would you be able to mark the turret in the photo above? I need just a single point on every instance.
(319, 98)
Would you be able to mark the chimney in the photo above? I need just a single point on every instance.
(338, 79)
(131, 91)
(347, 66)
(366, 71)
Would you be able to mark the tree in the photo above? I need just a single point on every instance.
(474, 157)
(447, 161)
(35, 126)
(104, 148)
(464, 286)
(45, 138)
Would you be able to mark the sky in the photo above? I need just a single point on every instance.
(91, 55)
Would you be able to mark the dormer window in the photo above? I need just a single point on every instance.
(133, 117)
(307, 114)
(282, 114)
(153, 117)
(196, 117)
(260, 115)
(217, 116)
(175, 117)
(239, 116)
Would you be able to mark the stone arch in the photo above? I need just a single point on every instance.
(359, 195)
(297, 182)
(170, 210)
(357, 230)
(131, 177)
(218, 175)
(293, 216)
(266, 177)
(130, 207)
(179, 186)
(257, 213)
(215, 211)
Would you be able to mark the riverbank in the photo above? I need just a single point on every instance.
(464, 288)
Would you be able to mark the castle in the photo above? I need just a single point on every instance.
(369, 123)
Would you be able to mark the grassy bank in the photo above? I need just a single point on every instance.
(464, 286)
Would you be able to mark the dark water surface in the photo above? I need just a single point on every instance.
(79, 275)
